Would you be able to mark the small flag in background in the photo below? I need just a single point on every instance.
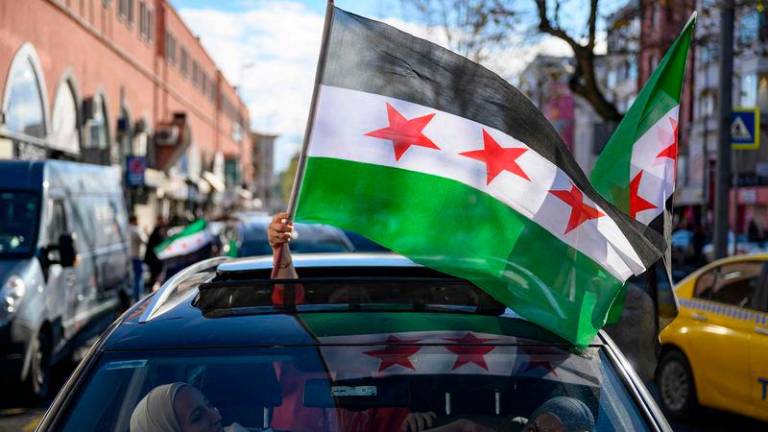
(191, 238)
(441, 160)
(637, 168)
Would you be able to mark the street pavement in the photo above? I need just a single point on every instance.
(25, 418)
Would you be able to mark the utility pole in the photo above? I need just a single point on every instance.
(722, 188)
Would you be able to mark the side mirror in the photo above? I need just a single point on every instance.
(67, 252)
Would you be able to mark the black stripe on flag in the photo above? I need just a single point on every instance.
(373, 57)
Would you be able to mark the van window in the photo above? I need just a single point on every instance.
(57, 222)
(18, 223)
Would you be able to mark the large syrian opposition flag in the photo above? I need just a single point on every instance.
(637, 168)
(441, 160)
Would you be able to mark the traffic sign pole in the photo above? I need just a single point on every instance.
(722, 188)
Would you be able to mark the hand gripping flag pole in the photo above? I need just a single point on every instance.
(292, 200)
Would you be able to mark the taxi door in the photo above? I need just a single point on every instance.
(759, 358)
(725, 311)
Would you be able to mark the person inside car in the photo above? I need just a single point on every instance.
(177, 407)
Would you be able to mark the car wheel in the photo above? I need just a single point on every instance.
(38, 377)
(677, 391)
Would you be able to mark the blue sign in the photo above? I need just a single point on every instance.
(135, 166)
(745, 128)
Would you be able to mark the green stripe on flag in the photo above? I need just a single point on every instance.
(456, 229)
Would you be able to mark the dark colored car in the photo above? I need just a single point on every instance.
(377, 340)
(64, 264)
(248, 236)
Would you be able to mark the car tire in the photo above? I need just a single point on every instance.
(677, 390)
(38, 378)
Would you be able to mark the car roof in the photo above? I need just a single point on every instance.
(181, 325)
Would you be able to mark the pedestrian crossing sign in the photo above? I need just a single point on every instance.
(745, 128)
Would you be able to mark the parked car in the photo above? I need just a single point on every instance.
(64, 264)
(715, 353)
(377, 341)
(247, 236)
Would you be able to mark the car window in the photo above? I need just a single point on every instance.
(705, 283)
(18, 222)
(57, 222)
(367, 386)
(738, 283)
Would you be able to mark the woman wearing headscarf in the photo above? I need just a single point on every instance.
(177, 407)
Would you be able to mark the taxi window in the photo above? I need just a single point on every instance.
(735, 284)
(705, 283)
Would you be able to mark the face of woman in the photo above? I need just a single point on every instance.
(194, 413)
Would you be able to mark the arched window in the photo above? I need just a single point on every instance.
(96, 123)
(65, 133)
(24, 103)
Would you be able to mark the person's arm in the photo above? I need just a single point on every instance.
(279, 234)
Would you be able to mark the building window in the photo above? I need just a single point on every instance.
(762, 93)
(195, 73)
(748, 90)
(707, 104)
(747, 27)
(65, 130)
(184, 61)
(96, 130)
(24, 102)
(125, 10)
(146, 22)
(170, 48)
(203, 83)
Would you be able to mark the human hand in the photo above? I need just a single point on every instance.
(416, 422)
(280, 230)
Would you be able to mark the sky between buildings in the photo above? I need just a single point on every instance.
(269, 49)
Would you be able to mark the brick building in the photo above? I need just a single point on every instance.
(102, 80)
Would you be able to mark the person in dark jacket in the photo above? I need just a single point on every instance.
(150, 257)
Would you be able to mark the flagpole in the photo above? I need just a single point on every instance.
(308, 129)
(313, 104)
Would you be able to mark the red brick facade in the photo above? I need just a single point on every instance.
(143, 60)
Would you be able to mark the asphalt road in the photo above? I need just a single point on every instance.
(25, 418)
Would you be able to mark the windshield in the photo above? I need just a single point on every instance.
(368, 382)
(18, 223)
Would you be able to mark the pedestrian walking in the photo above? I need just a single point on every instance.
(155, 264)
(138, 240)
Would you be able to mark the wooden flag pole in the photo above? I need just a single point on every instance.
(292, 200)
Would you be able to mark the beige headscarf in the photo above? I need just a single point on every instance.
(154, 413)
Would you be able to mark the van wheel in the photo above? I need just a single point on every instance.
(677, 391)
(38, 378)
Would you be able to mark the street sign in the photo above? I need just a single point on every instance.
(745, 128)
(135, 166)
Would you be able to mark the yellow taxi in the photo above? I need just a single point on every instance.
(715, 353)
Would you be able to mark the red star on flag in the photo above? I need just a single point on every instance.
(580, 211)
(394, 353)
(636, 202)
(497, 158)
(404, 133)
(671, 150)
(470, 349)
(542, 357)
